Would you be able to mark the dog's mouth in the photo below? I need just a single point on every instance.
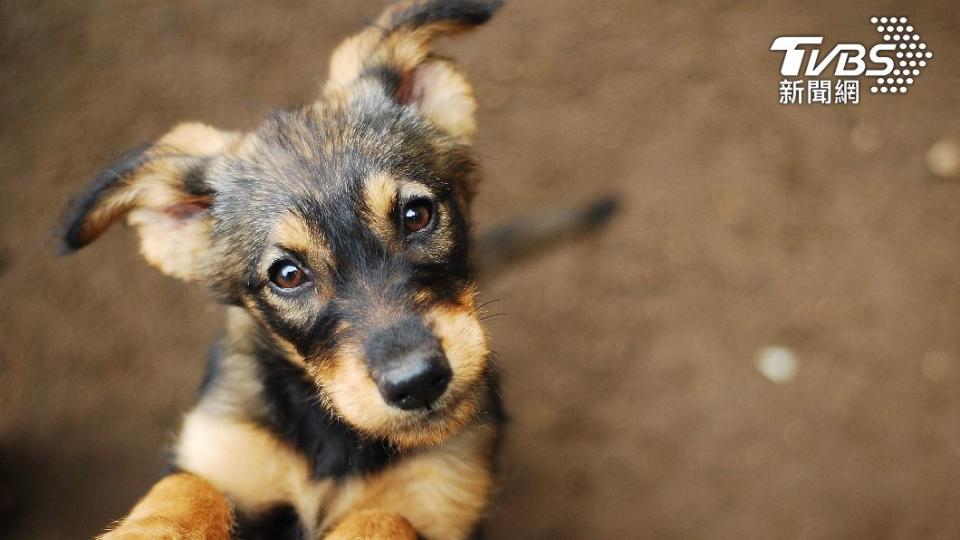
(444, 417)
(440, 409)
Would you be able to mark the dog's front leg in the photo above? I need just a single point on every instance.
(181, 506)
(375, 525)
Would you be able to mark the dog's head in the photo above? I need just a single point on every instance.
(341, 226)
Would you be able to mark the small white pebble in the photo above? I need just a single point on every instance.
(943, 158)
(776, 363)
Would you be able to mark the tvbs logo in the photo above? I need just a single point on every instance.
(890, 66)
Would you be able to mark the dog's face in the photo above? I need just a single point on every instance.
(343, 230)
(340, 226)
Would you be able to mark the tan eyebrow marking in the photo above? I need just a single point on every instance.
(291, 232)
(413, 190)
(380, 193)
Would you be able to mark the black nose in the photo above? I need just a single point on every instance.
(415, 382)
(408, 365)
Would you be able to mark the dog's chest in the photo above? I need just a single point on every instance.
(440, 490)
(259, 473)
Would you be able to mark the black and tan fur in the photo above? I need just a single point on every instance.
(292, 436)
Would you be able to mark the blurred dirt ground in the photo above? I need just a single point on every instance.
(637, 408)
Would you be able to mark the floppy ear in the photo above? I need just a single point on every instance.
(396, 49)
(162, 191)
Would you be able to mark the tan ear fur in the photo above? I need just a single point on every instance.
(444, 97)
(161, 192)
(400, 42)
(174, 227)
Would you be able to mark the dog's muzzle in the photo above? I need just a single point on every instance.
(408, 364)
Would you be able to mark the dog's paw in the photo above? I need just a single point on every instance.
(151, 528)
(373, 525)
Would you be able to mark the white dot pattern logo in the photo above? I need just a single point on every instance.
(912, 54)
(815, 74)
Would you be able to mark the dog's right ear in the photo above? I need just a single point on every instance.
(161, 190)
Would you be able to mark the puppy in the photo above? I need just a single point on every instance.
(352, 394)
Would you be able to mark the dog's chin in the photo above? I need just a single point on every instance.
(433, 426)
(418, 428)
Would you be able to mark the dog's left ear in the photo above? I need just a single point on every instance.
(395, 53)
(161, 190)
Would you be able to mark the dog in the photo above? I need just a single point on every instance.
(353, 393)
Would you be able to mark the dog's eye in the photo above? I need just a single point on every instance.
(417, 215)
(287, 275)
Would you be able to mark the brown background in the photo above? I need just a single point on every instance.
(637, 409)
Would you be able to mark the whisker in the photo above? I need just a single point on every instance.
(485, 304)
